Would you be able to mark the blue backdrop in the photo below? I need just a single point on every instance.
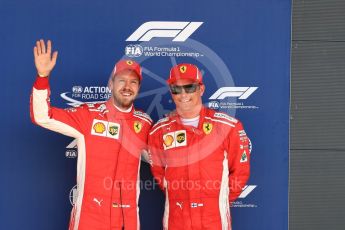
(242, 48)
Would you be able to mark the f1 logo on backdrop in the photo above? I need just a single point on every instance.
(246, 190)
(240, 92)
(180, 31)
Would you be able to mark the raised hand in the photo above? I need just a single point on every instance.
(44, 60)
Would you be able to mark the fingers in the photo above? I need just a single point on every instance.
(49, 47)
(40, 47)
(43, 46)
(39, 50)
(35, 52)
(55, 55)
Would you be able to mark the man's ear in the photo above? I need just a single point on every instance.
(202, 89)
(110, 84)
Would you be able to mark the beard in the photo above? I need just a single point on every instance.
(123, 102)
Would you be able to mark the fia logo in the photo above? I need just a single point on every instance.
(134, 50)
(213, 104)
(77, 89)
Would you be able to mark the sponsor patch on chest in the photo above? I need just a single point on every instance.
(174, 139)
(105, 129)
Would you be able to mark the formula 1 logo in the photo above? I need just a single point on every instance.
(71, 149)
(240, 92)
(246, 190)
(180, 31)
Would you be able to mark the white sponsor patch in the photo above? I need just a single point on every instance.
(225, 116)
(99, 128)
(145, 115)
(105, 129)
(113, 130)
(181, 138)
(175, 139)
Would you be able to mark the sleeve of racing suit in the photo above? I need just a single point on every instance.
(239, 156)
(144, 151)
(156, 158)
(68, 122)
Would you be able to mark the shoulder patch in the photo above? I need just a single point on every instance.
(164, 119)
(101, 107)
(90, 105)
(142, 114)
(160, 121)
(97, 107)
(226, 116)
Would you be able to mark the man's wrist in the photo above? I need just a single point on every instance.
(42, 74)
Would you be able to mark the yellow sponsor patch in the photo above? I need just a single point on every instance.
(105, 129)
(168, 140)
(99, 127)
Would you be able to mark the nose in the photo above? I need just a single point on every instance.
(127, 85)
(183, 93)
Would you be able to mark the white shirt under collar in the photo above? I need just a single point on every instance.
(124, 111)
(191, 121)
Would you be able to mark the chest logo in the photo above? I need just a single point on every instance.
(174, 139)
(168, 140)
(137, 126)
(183, 69)
(99, 127)
(105, 129)
(113, 130)
(180, 137)
(207, 127)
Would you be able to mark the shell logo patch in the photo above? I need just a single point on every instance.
(183, 69)
(137, 126)
(105, 129)
(175, 139)
(129, 62)
(207, 127)
(99, 127)
(168, 140)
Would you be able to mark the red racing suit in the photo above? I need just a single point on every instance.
(109, 151)
(201, 169)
